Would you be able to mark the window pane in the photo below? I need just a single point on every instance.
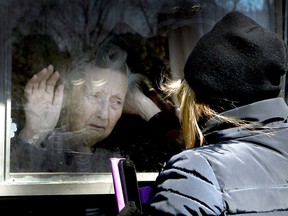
(78, 128)
(90, 127)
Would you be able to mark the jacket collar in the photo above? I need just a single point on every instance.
(261, 111)
(266, 111)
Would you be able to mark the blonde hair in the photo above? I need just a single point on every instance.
(191, 112)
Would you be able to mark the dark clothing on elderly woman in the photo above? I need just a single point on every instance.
(240, 172)
(132, 137)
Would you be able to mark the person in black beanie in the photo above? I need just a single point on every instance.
(235, 127)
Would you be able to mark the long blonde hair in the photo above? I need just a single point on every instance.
(191, 112)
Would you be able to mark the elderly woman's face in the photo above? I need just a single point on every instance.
(102, 104)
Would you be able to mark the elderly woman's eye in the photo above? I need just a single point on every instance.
(116, 103)
(93, 97)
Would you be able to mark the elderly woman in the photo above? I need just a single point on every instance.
(68, 125)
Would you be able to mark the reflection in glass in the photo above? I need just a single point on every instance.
(142, 123)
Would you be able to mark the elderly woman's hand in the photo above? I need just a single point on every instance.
(136, 102)
(43, 105)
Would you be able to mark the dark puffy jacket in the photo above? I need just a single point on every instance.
(240, 172)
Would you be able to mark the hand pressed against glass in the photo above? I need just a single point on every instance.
(43, 105)
(101, 104)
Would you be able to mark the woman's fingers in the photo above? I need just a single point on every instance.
(51, 82)
(43, 81)
(45, 75)
(34, 83)
(30, 85)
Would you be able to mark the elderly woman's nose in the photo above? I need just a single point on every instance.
(103, 109)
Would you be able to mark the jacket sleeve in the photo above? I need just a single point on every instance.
(187, 186)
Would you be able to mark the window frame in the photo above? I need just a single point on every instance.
(25, 184)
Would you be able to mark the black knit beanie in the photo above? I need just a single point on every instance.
(237, 61)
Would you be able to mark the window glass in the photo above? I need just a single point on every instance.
(74, 120)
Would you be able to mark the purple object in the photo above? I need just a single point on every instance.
(144, 193)
(117, 183)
